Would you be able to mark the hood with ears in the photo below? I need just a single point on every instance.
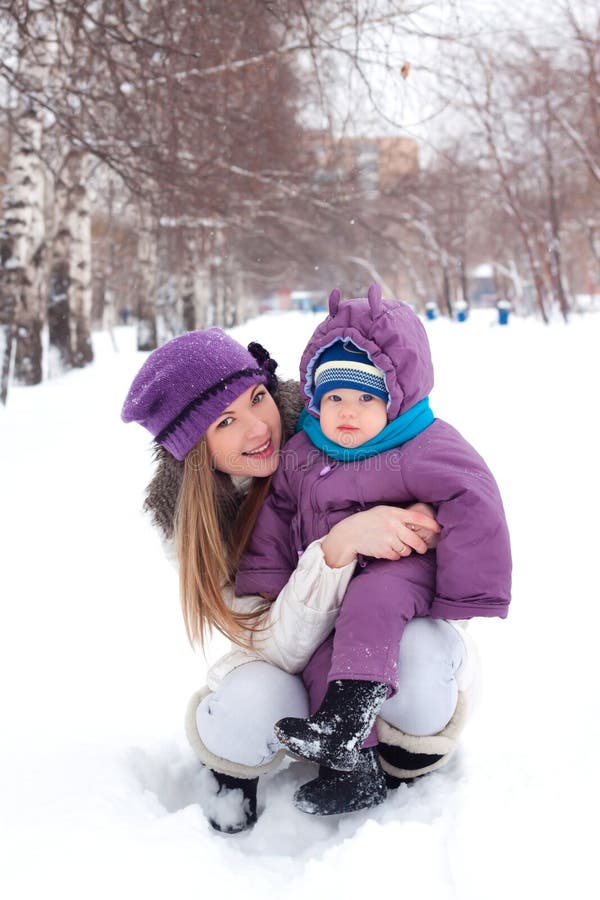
(392, 335)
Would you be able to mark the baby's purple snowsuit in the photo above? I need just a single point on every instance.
(468, 574)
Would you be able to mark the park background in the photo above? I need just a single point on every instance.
(167, 166)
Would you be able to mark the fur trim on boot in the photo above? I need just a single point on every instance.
(229, 803)
(334, 734)
(398, 759)
(405, 757)
(335, 792)
(211, 760)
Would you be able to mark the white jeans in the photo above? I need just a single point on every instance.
(235, 722)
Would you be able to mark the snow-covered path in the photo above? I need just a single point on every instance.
(98, 786)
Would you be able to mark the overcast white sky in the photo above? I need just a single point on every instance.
(411, 106)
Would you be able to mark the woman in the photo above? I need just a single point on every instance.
(219, 417)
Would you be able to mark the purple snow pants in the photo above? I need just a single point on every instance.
(381, 598)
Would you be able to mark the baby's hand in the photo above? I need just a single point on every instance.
(426, 534)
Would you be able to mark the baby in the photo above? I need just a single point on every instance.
(369, 437)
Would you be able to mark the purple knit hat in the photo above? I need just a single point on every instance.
(187, 383)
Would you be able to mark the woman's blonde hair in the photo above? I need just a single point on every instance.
(209, 548)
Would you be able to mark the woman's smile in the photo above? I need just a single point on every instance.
(246, 437)
(264, 450)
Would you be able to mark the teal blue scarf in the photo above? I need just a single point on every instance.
(401, 430)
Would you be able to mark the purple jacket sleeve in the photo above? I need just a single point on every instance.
(473, 552)
(270, 557)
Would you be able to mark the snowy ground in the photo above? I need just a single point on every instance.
(98, 787)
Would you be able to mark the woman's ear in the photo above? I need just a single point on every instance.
(374, 297)
(334, 301)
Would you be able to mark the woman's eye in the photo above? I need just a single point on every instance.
(225, 422)
(258, 397)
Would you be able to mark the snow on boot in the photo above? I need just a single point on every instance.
(413, 765)
(335, 792)
(334, 734)
(229, 802)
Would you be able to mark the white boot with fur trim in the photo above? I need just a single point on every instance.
(229, 789)
(439, 681)
(405, 757)
(231, 732)
(229, 803)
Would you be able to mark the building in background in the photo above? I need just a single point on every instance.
(377, 165)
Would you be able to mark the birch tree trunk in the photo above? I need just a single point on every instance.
(146, 283)
(553, 236)
(59, 329)
(59, 319)
(216, 314)
(10, 282)
(189, 281)
(22, 256)
(231, 286)
(237, 299)
(446, 293)
(70, 288)
(203, 293)
(81, 262)
(418, 289)
(30, 313)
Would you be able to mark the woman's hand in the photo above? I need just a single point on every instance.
(383, 532)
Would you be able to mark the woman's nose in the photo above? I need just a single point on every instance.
(256, 427)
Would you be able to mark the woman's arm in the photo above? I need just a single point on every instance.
(383, 532)
(304, 612)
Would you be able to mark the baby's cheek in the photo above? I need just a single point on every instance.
(327, 428)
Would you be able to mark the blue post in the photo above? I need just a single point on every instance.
(431, 310)
(462, 310)
(503, 312)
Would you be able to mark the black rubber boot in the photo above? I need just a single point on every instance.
(231, 812)
(333, 735)
(400, 758)
(335, 792)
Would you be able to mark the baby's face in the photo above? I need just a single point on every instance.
(351, 418)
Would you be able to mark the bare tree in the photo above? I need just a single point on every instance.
(70, 288)
(145, 281)
(22, 256)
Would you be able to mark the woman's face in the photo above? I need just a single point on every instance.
(246, 438)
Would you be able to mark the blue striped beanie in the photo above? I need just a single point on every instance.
(344, 365)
